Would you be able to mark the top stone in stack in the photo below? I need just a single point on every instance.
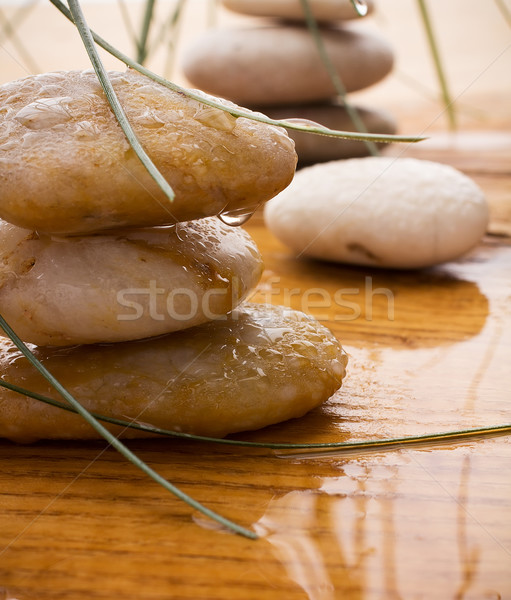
(66, 167)
(275, 67)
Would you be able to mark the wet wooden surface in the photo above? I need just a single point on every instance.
(429, 351)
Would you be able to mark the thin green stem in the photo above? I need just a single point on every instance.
(236, 112)
(88, 41)
(19, 16)
(334, 75)
(144, 33)
(445, 436)
(127, 22)
(114, 441)
(442, 80)
(174, 31)
(170, 30)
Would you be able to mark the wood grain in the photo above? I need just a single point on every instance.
(78, 522)
(429, 351)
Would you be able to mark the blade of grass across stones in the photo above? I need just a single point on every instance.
(89, 44)
(115, 442)
(236, 111)
(362, 445)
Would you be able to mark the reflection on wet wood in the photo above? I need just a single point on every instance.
(429, 351)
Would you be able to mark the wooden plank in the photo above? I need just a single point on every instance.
(77, 522)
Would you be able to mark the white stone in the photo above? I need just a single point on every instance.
(263, 66)
(323, 10)
(378, 211)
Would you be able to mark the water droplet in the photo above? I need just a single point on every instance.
(50, 90)
(44, 113)
(149, 120)
(304, 122)
(214, 117)
(237, 217)
(361, 7)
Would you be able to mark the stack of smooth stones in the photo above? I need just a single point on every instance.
(274, 66)
(135, 303)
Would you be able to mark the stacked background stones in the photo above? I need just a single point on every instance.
(369, 211)
(273, 65)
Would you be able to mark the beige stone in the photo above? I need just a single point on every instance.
(320, 148)
(323, 10)
(264, 66)
(67, 168)
(261, 365)
(382, 212)
(126, 285)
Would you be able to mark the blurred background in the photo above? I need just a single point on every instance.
(474, 38)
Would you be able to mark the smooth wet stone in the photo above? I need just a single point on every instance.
(323, 10)
(124, 285)
(382, 212)
(67, 168)
(320, 148)
(272, 65)
(260, 365)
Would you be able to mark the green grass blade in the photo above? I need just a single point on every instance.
(446, 436)
(88, 41)
(442, 80)
(168, 34)
(127, 22)
(144, 33)
(319, 130)
(115, 442)
(334, 75)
